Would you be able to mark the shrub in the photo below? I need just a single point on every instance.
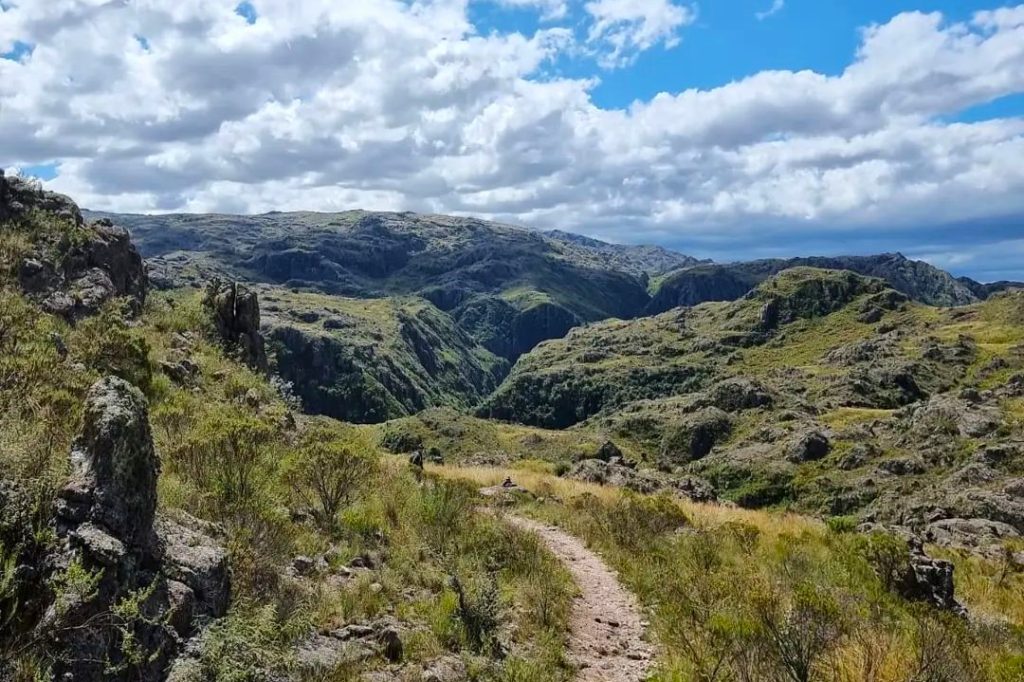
(635, 520)
(326, 472)
(106, 344)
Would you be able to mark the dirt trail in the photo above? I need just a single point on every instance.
(606, 627)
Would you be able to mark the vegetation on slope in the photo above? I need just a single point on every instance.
(508, 287)
(462, 590)
(369, 360)
(820, 391)
(920, 281)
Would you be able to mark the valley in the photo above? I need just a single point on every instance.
(254, 447)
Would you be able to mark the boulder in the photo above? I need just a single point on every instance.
(809, 447)
(73, 278)
(969, 533)
(19, 196)
(693, 436)
(929, 580)
(641, 480)
(737, 394)
(608, 451)
(114, 466)
(235, 311)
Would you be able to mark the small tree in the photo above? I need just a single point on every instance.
(327, 472)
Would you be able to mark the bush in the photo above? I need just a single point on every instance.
(106, 344)
(326, 471)
(635, 520)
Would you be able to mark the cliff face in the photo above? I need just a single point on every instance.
(368, 361)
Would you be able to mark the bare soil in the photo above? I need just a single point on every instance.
(606, 638)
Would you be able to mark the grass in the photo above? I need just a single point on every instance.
(460, 437)
(732, 591)
(228, 458)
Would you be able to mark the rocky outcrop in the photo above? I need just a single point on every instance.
(728, 282)
(624, 475)
(114, 468)
(235, 310)
(71, 268)
(693, 436)
(928, 580)
(19, 196)
(152, 582)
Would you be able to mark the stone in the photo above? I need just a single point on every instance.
(969, 533)
(235, 310)
(20, 195)
(738, 394)
(693, 436)
(391, 644)
(106, 521)
(607, 451)
(809, 447)
(75, 280)
(303, 566)
(929, 580)
(197, 560)
(114, 465)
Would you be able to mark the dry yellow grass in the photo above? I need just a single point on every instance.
(546, 485)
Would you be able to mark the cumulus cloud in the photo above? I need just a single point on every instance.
(551, 10)
(163, 105)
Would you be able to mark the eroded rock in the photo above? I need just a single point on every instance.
(235, 310)
(176, 575)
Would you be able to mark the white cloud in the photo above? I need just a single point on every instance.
(551, 10)
(623, 28)
(777, 6)
(392, 104)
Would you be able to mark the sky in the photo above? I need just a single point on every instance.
(729, 129)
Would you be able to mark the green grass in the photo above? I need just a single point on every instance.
(228, 462)
(755, 595)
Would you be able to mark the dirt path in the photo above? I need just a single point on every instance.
(606, 627)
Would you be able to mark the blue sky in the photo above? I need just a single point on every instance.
(729, 129)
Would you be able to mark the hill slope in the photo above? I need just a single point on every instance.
(508, 287)
(821, 390)
(727, 282)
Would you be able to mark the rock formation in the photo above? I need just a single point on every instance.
(72, 268)
(19, 196)
(235, 310)
(151, 583)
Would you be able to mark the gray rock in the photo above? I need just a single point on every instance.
(106, 522)
(930, 580)
(391, 644)
(114, 466)
(235, 310)
(101, 265)
(197, 560)
(734, 395)
(693, 436)
(809, 447)
(19, 195)
(903, 466)
(607, 451)
(969, 533)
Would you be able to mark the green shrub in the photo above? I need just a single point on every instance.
(327, 471)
